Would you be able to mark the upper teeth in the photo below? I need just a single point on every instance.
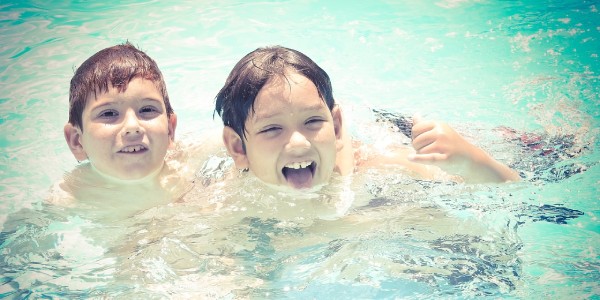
(298, 165)
(133, 148)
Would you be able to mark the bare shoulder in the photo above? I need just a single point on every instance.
(61, 194)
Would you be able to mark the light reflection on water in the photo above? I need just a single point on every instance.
(256, 243)
(481, 66)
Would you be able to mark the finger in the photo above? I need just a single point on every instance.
(435, 147)
(423, 140)
(417, 118)
(421, 126)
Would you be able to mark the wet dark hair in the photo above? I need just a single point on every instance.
(235, 100)
(114, 66)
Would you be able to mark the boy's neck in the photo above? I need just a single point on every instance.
(150, 179)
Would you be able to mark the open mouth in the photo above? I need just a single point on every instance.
(299, 174)
(134, 149)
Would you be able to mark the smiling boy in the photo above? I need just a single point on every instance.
(124, 135)
(282, 124)
(121, 122)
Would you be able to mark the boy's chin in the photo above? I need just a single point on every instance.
(287, 187)
(292, 189)
(128, 177)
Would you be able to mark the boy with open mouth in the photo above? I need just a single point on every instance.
(283, 125)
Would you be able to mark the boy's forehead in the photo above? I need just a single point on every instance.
(284, 87)
(283, 82)
(142, 88)
(278, 101)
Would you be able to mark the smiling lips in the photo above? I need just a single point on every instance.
(133, 149)
(299, 174)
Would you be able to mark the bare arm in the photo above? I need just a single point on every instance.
(436, 143)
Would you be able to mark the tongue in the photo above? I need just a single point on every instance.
(299, 178)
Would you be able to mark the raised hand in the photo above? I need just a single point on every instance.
(437, 143)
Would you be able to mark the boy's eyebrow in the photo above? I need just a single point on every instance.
(314, 107)
(118, 102)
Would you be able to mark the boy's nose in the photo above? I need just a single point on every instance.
(131, 124)
(298, 142)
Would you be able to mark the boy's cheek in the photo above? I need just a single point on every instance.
(339, 145)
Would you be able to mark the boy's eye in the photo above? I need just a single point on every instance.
(107, 114)
(149, 111)
(270, 130)
(314, 122)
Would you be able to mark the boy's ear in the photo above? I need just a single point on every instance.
(336, 113)
(73, 138)
(172, 126)
(235, 147)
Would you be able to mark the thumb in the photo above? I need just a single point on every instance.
(416, 118)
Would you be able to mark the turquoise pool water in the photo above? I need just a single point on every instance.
(480, 65)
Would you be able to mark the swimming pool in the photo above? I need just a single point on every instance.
(531, 66)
